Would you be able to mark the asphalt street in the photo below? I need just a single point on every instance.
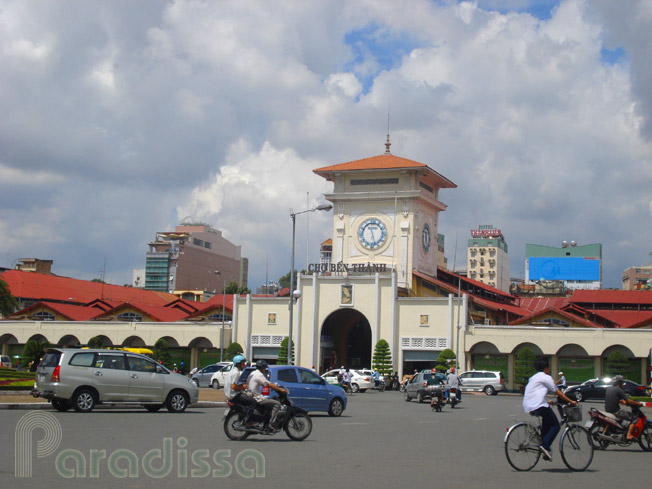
(380, 441)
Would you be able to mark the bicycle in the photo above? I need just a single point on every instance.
(523, 440)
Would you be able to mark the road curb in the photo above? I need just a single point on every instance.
(47, 405)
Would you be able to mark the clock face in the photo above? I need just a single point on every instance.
(372, 234)
(425, 237)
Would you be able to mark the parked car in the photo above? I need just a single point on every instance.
(307, 389)
(596, 388)
(421, 385)
(359, 382)
(491, 383)
(84, 378)
(219, 376)
(203, 377)
(5, 361)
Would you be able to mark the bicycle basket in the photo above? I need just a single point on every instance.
(573, 413)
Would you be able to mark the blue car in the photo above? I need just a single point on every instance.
(307, 389)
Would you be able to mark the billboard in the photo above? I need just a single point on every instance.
(566, 268)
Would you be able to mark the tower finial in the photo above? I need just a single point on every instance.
(387, 143)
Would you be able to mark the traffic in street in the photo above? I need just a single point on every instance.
(379, 441)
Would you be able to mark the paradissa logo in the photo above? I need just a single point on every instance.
(123, 463)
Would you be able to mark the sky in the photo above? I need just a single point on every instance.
(121, 118)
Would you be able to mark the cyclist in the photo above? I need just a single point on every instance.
(614, 397)
(535, 403)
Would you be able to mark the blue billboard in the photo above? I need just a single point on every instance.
(566, 268)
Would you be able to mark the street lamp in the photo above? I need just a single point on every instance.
(217, 272)
(294, 295)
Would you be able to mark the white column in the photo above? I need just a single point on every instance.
(451, 326)
(316, 339)
(375, 332)
(247, 340)
(296, 358)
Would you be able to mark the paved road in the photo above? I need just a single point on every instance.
(380, 441)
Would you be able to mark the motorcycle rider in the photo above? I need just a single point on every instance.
(237, 393)
(257, 380)
(561, 382)
(535, 402)
(454, 382)
(614, 397)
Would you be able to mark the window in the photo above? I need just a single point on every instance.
(111, 361)
(141, 364)
(207, 245)
(83, 359)
(287, 375)
(218, 317)
(308, 377)
(130, 316)
(43, 316)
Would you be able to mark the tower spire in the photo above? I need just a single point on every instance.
(387, 143)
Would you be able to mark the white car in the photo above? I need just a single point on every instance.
(218, 378)
(359, 382)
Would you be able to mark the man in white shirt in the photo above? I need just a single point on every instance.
(235, 392)
(535, 402)
(257, 380)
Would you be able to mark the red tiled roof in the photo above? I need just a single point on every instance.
(536, 304)
(159, 313)
(625, 318)
(607, 296)
(383, 162)
(216, 300)
(571, 317)
(69, 311)
(39, 286)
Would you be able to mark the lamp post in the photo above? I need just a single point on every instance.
(217, 272)
(293, 215)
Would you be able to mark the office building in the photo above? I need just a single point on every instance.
(487, 257)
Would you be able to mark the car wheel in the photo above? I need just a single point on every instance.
(406, 397)
(84, 400)
(215, 384)
(363, 390)
(355, 388)
(336, 407)
(489, 390)
(177, 402)
(61, 404)
(152, 408)
(419, 397)
(578, 396)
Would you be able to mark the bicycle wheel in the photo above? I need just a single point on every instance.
(576, 448)
(522, 446)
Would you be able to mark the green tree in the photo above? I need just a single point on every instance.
(33, 352)
(233, 288)
(382, 359)
(95, 342)
(524, 365)
(232, 350)
(445, 360)
(283, 353)
(162, 352)
(284, 281)
(616, 363)
(8, 303)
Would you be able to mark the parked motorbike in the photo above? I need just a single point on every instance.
(437, 400)
(605, 429)
(294, 420)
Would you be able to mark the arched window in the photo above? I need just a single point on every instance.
(130, 316)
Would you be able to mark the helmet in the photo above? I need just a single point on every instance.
(238, 359)
(261, 364)
(561, 373)
(618, 379)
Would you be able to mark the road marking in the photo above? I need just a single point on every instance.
(428, 421)
(354, 423)
(480, 419)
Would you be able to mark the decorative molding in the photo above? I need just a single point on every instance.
(423, 343)
(267, 339)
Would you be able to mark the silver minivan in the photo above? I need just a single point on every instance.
(83, 378)
(482, 381)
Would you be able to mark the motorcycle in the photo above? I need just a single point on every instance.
(605, 429)
(379, 385)
(437, 400)
(294, 420)
(452, 397)
(403, 385)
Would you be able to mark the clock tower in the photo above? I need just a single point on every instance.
(385, 214)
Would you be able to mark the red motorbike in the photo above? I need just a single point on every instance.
(605, 429)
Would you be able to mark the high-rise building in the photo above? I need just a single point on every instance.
(637, 278)
(577, 267)
(488, 258)
(189, 259)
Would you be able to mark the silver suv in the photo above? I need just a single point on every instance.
(83, 378)
(482, 381)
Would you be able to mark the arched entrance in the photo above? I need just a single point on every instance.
(345, 340)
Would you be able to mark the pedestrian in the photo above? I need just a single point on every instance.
(346, 380)
(561, 382)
